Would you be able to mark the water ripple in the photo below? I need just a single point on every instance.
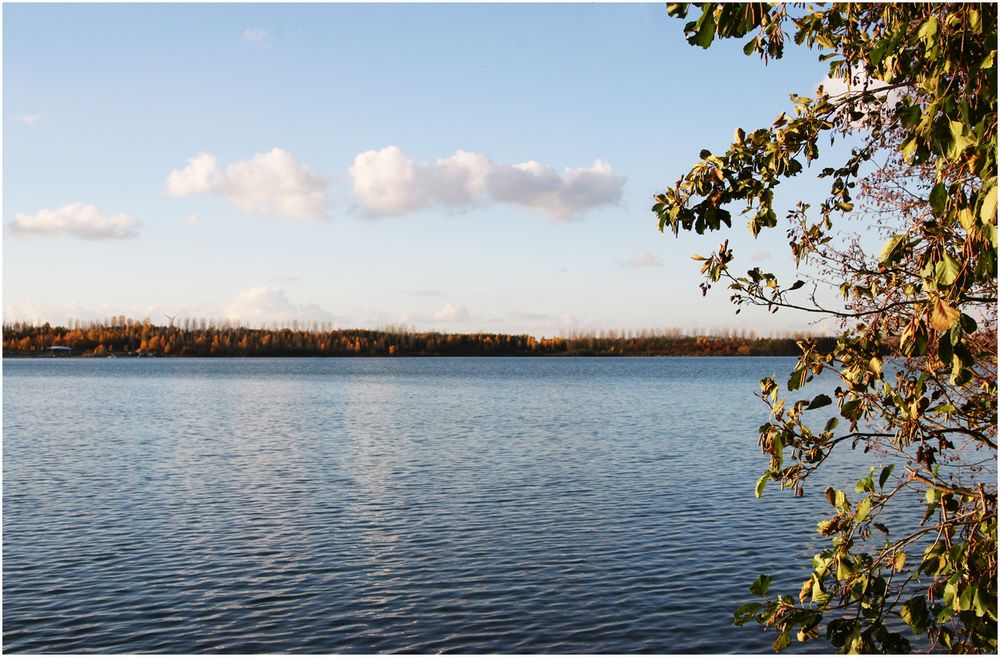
(357, 506)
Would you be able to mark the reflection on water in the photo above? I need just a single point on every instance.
(470, 505)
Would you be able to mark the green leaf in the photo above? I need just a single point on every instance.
(851, 409)
(946, 270)
(983, 604)
(928, 30)
(864, 508)
(950, 595)
(968, 324)
(938, 199)
(759, 488)
(914, 613)
(965, 599)
(884, 476)
(962, 356)
(819, 401)
(782, 642)
(797, 378)
(705, 33)
(865, 484)
(945, 353)
(761, 585)
(743, 613)
(989, 61)
(840, 630)
(961, 377)
(819, 596)
(895, 643)
(959, 140)
(845, 568)
(891, 252)
(990, 231)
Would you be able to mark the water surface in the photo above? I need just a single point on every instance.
(382, 505)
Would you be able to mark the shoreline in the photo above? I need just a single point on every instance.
(384, 357)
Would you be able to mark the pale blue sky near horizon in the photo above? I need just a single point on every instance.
(103, 102)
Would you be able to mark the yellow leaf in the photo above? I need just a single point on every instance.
(804, 594)
(988, 210)
(967, 218)
(943, 316)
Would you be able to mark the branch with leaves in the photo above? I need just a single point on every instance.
(916, 361)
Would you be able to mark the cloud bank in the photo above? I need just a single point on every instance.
(270, 184)
(452, 313)
(255, 36)
(261, 306)
(389, 183)
(75, 220)
(643, 259)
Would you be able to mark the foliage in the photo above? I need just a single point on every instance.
(200, 338)
(916, 359)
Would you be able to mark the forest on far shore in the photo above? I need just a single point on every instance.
(126, 337)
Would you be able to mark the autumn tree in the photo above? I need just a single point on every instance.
(914, 97)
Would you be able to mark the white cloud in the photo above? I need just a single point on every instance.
(255, 36)
(385, 182)
(272, 184)
(458, 181)
(539, 187)
(450, 313)
(540, 324)
(859, 81)
(200, 176)
(28, 118)
(388, 183)
(75, 220)
(263, 306)
(193, 222)
(643, 259)
(39, 312)
(61, 313)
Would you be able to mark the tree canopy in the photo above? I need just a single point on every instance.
(912, 93)
(121, 336)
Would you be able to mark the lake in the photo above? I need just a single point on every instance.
(386, 505)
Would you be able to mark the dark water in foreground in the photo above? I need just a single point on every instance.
(456, 505)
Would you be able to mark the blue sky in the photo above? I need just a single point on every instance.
(451, 167)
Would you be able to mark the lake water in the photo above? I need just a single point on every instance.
(382, 505)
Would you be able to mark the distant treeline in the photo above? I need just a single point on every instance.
(121, 336)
